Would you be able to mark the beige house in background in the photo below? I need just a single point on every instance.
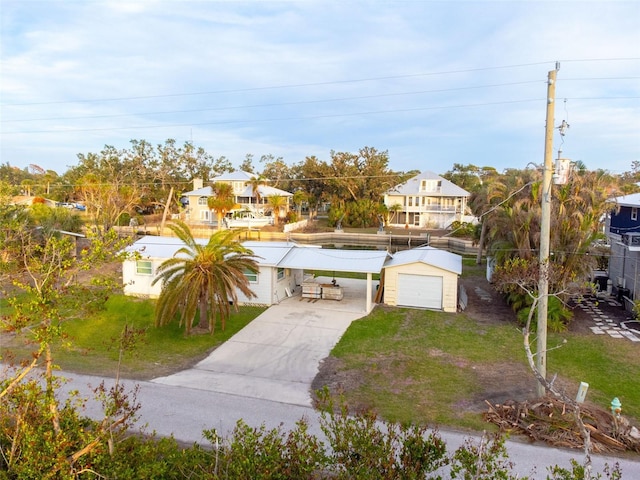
(195, 201)
(427, 201)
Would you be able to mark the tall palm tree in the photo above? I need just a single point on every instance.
(199, 276)
(577, 207)
(276, 203)
(222, 201)
(256, 182)
(299, 197)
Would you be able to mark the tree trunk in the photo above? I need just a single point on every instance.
(166, 210)
(204, 318)
(53, 403)
(481, 242)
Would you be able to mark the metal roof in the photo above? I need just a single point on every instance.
(312, 257)
(237, 176)
(412, 187)
(428, 255)
(270, 253)
(151, 246)
(632, 200)
(361, 261)
(265, 191)
(201, 192)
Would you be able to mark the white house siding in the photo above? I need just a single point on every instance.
(262, 288)
(139, 285)
(284, 284)
(449, 283)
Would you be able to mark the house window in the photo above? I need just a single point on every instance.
(202, 201)
(204, 215)
(144, 267)
(634, 213)
(280, 273)
(251, 276)
(410, 201)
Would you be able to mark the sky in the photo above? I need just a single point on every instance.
(431, 83)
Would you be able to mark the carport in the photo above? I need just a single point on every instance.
(335, 260)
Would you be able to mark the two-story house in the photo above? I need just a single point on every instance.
(427, 201)
(623, 232)
(248, 194)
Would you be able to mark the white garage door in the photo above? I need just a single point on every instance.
(419, 291)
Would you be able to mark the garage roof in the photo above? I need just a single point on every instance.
(361, 261)
(429, 255)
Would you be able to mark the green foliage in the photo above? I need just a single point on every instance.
(291, 217)
(203, 278)
(578, 472)
(485, 459)
(363, 448)
(359, 446)
(363, 213)
(462, 229)
(258, 453)
(558, 315)
(40, 438)
(52, 219)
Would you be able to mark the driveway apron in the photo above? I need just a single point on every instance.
(277, 355)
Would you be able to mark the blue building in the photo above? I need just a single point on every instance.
(623, 231)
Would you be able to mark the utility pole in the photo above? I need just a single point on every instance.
(545, 233)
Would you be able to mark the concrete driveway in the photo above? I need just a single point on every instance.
(276, 356)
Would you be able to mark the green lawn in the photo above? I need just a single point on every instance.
(91, 345)
(411, 365)
(418, 366)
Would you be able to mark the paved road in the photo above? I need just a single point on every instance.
(185, 412)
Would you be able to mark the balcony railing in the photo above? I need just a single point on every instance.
(431, 208)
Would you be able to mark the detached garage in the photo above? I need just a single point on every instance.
(423, 277)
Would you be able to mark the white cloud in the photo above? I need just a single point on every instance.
(73, 51)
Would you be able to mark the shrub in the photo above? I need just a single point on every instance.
(462, 229)
(558, 315)
(363, 448)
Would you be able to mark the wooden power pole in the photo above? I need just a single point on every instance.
(545, 233)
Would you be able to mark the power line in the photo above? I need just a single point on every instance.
(281, 119)
(274, 87)
(302, 102)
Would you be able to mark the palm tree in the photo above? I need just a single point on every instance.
(299, 197)
(256, 182)
(276, 203)
(199, 276)
(393, 212)
(222, 201)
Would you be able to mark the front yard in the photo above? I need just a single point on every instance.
(419, 366)
(411, 366)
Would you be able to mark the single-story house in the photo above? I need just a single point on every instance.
(281, 267)
(270, 283)
(423, 277)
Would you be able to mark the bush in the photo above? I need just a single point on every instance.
(558, 315)
(462, 229)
